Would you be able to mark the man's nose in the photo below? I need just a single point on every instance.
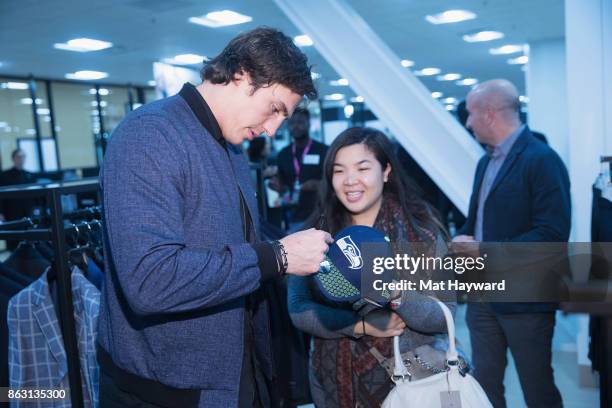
(468, 123)
(272, 125)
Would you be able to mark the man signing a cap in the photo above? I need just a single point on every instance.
(182, 319)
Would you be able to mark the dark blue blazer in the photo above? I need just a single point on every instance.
(528, 202)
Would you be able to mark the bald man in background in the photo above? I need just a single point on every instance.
(521, 193)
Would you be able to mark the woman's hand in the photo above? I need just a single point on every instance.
(381, 323)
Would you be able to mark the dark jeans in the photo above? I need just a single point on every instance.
(111, 396)
(529, 337)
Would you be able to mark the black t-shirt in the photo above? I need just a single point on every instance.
(13, 177)
(13, 208)
(312, 169)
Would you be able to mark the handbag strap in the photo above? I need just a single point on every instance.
(400, 371)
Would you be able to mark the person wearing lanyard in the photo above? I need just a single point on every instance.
(297, 168)
(300, 167)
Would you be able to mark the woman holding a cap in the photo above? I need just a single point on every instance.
(363, 184)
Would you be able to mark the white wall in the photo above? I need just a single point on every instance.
(546, 89)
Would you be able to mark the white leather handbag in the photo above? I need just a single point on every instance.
(448, 389)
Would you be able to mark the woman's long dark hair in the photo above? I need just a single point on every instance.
(332, 216)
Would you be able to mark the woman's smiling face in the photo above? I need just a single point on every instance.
(358, 180)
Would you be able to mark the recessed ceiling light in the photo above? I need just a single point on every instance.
(151, 83)
(524, 99)
(450, 16)
(339, 82)
(87, 75)
(436, 95)
(221, 18)
(427, 71)
(83, 45)
(28, 101)
(485, 35)
(302, 40)
(189, 59)
(450, 107)
(467, 82)
(449, 77)
(43, 111)
(407, 63)
(507, 49)
(523, 59)
(101, 91)
(334, 97)
(348, 111)
(186, 59)
(15, 85)
(358, 99)
(315, 75)
(449, 100)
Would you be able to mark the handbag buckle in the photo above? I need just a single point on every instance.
(462, 366)
(402, 377)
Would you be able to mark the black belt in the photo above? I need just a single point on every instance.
(145, 389)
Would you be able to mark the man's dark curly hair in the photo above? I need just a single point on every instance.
(268, 56)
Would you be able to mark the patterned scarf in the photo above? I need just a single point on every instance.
(349, 374)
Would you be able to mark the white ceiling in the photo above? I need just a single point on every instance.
(145, 31)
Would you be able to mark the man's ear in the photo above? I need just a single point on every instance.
(239, 76)
(243, 80)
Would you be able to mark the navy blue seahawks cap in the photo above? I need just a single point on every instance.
(349, 258)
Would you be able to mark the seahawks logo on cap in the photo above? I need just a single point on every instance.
(351, 251)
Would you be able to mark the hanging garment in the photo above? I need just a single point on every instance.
(8, 289)
(27, 260)
(37, 357)
(601, 235)
(16, 277)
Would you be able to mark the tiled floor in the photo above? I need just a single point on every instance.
(564, 364)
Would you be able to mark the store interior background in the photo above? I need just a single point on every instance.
(374, 66)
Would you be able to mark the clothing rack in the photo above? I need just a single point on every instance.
(24, 223)
(56, 233)
(260, 190)
(606, 159)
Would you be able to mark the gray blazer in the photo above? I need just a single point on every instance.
(177, 264)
